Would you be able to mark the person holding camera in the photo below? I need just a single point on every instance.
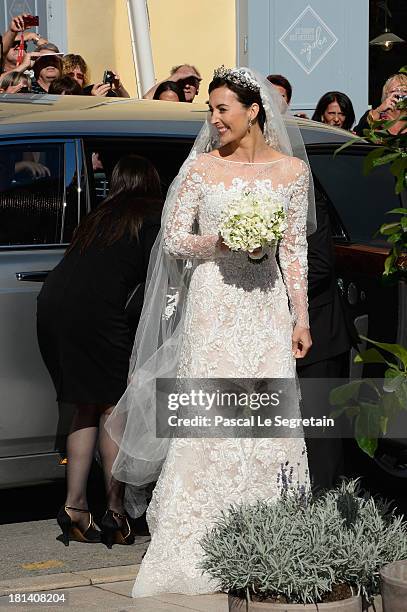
(394, 90)
(14, 52)
(110, 87)
(186, 76)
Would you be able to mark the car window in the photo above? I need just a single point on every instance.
(31, 193)
(167, 155)
(360, 201)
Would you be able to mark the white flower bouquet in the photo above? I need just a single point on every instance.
(253, 222)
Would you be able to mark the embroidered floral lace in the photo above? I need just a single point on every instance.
(238, 323)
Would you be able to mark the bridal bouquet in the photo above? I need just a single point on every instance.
(253, 222)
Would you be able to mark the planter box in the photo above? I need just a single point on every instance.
(394, 586)
(375, 606)
(352, 604)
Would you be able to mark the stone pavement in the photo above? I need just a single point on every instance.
(34, 548)
(101, 590)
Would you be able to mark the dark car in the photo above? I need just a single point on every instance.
(56, 156)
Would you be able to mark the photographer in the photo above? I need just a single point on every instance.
(186, 76)
(394, 89)
(110, 87)
(12, 40)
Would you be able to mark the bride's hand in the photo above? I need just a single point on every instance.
(301, 341)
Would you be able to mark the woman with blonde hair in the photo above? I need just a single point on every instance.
(15, 82)
(394, 89)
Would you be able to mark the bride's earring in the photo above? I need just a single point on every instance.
(249, 127)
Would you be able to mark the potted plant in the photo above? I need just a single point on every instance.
(394, 586)
(303, 553)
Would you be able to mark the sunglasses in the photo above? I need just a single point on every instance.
(190, 81)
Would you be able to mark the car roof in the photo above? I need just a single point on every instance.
(50, 115)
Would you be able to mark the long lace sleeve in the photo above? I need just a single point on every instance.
(293, 249)
(179, 240)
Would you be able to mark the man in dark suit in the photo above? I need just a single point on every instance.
(328, 357)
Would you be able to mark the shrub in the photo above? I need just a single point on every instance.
(298, 548)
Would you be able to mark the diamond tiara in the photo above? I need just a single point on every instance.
(238, 76)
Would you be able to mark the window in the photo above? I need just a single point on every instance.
(31, 193)
(167, 155)
(360, 201)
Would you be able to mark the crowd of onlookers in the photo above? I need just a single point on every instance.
(46, 70)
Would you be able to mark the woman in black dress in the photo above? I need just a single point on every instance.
(86, 333)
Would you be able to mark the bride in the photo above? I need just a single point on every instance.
(212, 313)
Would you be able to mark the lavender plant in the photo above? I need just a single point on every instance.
(298, 548)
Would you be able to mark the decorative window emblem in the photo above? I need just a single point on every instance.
(308, 39)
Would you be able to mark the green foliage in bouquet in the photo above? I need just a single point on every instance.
(296, 549)
(373, 410)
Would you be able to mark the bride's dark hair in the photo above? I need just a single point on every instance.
(245, 95)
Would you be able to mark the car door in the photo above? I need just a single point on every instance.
(39, 208)
(358, 206)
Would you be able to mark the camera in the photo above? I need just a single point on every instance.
(108, 78)
(30, 21)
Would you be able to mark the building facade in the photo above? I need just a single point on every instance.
(319, 45)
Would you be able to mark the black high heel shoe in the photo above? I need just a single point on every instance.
(112, 532)
(72, 531)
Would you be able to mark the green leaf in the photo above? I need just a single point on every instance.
(392, 372)
(395, 237)
(390, 228)
(344, 393)
(389, 267)
(368, 162)
(348, 144)
(401, 211)
(390, 405)
(368, 445)
(392, 384)
(371, 355)
(399, 165)
(385, 159)
(352, 411)
(401, 184)
(384, 420)
(395, 349)
(367, 423)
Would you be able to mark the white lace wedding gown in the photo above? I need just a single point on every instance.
(237, 324)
